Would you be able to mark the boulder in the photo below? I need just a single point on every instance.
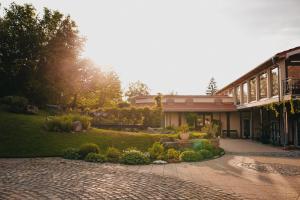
(77, 126)
(160, 162)
(30, 109)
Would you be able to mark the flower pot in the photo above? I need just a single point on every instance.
(184, 136)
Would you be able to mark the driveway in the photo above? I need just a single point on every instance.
(266, 176)
(250, 169)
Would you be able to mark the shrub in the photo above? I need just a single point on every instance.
(85, 120)
(213, 129)
(113, 155)
(95, 157)
(218, 151)
(206, 154)
(64, 122)
(198, 135)
(71, 153)
(190, 156)
(134, 157)
(87, 148)
(173, 155)
(202, 144)
(156, 151)
(16, 104)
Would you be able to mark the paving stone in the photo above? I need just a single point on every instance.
(55, 178)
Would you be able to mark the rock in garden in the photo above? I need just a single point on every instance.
(77, 126)
(159, 162)
(30, 109)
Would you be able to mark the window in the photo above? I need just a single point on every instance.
(230, 92)
(245, 93)
(238, 95)
(263, 86)
(252, 89)
(274, 81)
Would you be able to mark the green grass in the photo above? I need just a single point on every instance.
(24, 136)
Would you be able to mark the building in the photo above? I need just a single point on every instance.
(257, 105)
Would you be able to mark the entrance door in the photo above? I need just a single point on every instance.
(246, 128)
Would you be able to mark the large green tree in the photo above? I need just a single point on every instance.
(38, 54)
(137, 88)
(40, 59)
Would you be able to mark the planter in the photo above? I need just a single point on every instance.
(184, 136)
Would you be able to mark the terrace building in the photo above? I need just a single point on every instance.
(242, 106)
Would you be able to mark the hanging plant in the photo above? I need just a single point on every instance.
(292, 106)
(275, 107)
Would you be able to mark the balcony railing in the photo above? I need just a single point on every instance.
(291, 86)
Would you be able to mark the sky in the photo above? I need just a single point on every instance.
(178, 45)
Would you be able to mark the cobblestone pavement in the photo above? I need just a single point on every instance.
(55, 178)
(251, 170)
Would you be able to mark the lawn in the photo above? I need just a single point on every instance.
(24, 136)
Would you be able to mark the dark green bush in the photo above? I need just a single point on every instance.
(156, 151)
(113, 155)
(71, 153)
(202, 144)
(173, 155)
(128, 116)
(218, 151)
(64, 122)
(206, 154)
(190, 156)
(134, 157)
(87, 148)
(16, 104)
(95, 157)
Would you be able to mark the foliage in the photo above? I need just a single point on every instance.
(191, 119)
(156, 151)
(173, 155)
(40, 60)
(16, 104)
(212, 87)
(202, 144)
(71, 153)
(190, 156)
(158, 101)
(137, 89)
(218, 151)
(113, 154)
(206, 153)
(87, 148)
(95, 157)
(198, 135)
(39, 53)
(128, 116)
(212, 129)
(64, 122)
(183, 129)
(134, 157)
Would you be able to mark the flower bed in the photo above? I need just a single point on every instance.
(200, 149)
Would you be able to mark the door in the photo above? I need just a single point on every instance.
(246, 128)
(275, 137)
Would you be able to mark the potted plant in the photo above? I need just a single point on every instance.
(183, 132)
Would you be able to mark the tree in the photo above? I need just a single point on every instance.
(96, 88)
(137, 89)
(212, 87)
(158, 100)
(38, 54)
